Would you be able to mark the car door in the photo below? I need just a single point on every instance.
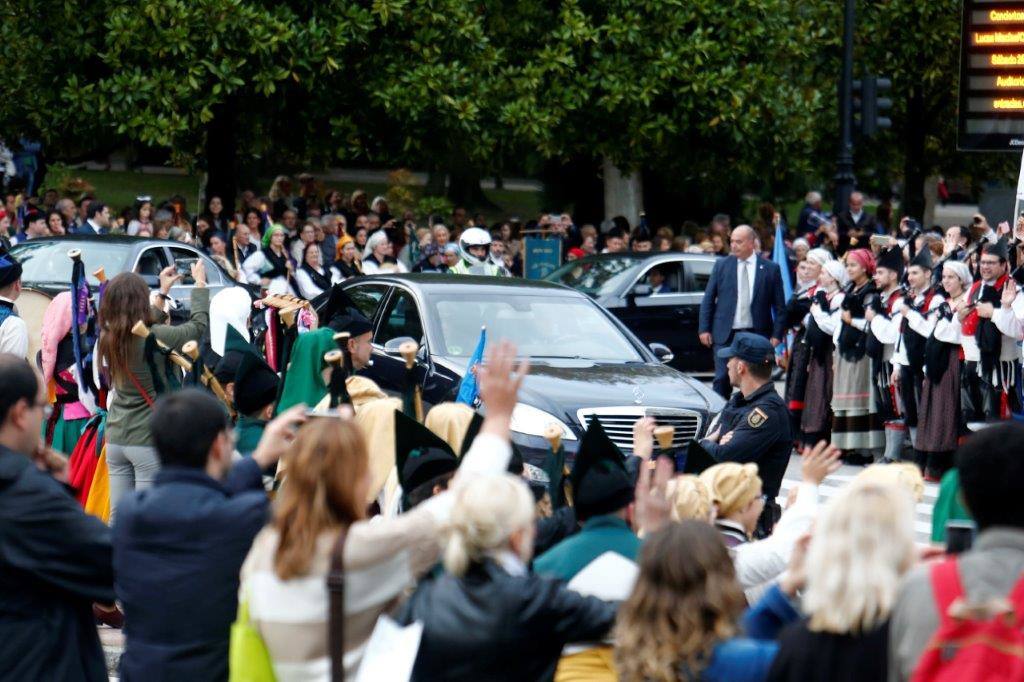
(696, 274)
(661, 316)
(400, 317)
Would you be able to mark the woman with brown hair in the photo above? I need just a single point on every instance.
(685, 617)
(329, 481)
(137, 371)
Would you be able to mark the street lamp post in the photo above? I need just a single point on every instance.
(844, 179)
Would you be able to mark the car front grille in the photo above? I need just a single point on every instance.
(618, 422)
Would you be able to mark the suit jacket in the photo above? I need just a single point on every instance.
(178, 552)
(845, 223)
(54, 562)
(767, 307)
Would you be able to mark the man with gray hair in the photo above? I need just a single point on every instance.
(744, 294)
(811, 217)
(329, 224)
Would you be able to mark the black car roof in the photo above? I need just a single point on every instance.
(429, 282)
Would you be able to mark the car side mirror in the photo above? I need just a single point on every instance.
(391, 346)
(662, 352)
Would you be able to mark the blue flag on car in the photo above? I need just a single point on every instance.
(468, 387)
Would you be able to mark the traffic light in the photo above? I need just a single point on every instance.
(869, 110)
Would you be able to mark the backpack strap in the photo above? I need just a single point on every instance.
(336, 608)
(946, 586)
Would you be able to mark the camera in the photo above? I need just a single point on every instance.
(183, 266)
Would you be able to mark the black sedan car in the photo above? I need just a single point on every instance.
(584, 361)
(46, 266)
(656, 295)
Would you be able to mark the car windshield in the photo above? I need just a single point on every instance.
(540, 325)
(46, 261)
(597, 277)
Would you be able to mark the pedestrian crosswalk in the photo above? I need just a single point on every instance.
(839, 480)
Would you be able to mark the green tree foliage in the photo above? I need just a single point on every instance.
(716, 95)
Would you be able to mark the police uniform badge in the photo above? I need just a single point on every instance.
(757, 417)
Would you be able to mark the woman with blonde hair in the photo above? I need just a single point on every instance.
(489, 617)
(685, 616)
(283, 580)
(863, 544)
(689, 498)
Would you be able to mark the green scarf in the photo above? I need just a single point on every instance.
(303, 382)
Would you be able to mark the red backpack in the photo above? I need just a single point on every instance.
(978, 643)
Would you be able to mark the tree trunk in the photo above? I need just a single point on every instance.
(222, 154)
(914, 165)
(464, 188)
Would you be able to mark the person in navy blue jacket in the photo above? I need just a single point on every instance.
(759, 306)
(179, 546)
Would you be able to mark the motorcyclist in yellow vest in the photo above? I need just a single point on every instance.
(474, 255)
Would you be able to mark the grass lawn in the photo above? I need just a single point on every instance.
(119, 189)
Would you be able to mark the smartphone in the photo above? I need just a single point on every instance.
(183, 266)
(959, 536)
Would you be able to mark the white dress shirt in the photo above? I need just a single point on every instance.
(13, 335)
(750, 263)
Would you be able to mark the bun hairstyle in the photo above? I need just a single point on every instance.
(690, 498)
(486, 512)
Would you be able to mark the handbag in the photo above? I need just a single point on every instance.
(336, 610)
(248, 658)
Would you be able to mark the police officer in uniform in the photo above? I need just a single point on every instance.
(754, 426)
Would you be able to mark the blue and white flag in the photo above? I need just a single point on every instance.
(468, 386)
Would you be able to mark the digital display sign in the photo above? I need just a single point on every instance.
(991, 112)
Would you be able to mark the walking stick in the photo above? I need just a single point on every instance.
(142, 331)
(408, 352)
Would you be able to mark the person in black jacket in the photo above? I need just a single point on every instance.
(54, 558)
(488, 617)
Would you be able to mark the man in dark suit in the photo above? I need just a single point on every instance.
(855, 225)
(744, 294)
(97, 219)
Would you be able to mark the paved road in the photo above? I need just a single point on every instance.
(838, 480)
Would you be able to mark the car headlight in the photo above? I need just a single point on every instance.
(531, 421)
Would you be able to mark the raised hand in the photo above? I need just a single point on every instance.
(818, 462)
(652, 508)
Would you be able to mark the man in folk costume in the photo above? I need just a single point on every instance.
(884, 321)
(991, 381)
(13, 331)
(797, 310)
(908, 360)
